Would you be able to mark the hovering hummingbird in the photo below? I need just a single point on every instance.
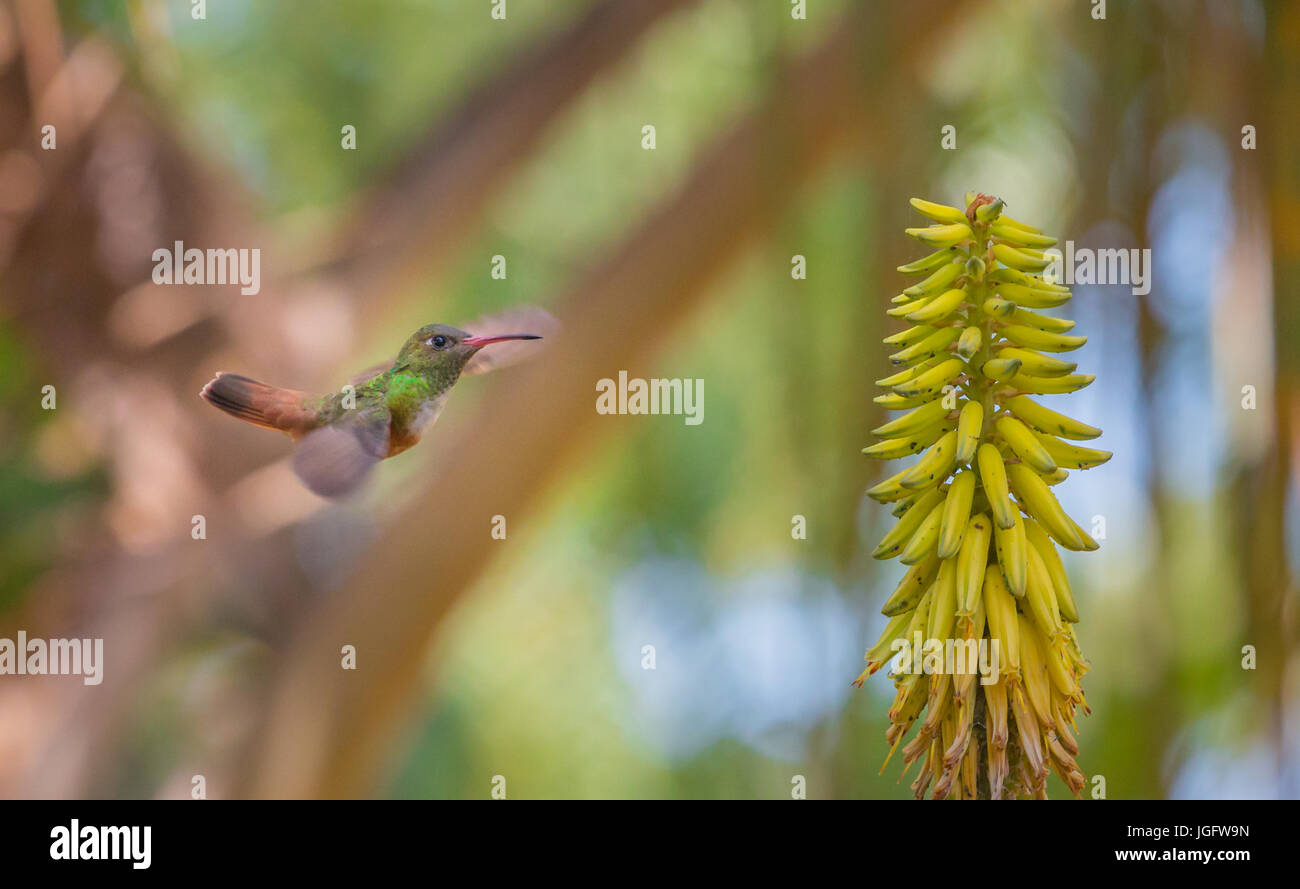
(341, 436)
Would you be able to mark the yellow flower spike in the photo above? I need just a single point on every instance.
(956, 514)
(1041, 503)
(1035, 282)
(938, 308)
(1013, 553)
(883, 650)
(989, 212)
(1018, 237)
(1031, 297)
(910, 596)
(999, 308)
(928, 347)
(970, 426)
(893, 448)
(1033, 670)
(892, 543)
(1037, 363)
(1024, 444)
(911, 373)
(934, 466)
(964, 373)
(971, 561)
(1004, 625)
(1000, 368)
(1038, 539)
(1073, 456)
(1041, 322)
(933, 380)
(1042, 340)
(1007, 220)
(969, 342)
(1041, 597)
(1049, 421)
(1032, 385)
(993, 474)
(889, 490)
(916, 420)
(945, 235)
(943, 613)
(938, 212)
(929, 263)
(1054, 478)
(908, 305)
(909, 336)
(922, 543)
(939, 280)
(893, 401)
(1020, 260)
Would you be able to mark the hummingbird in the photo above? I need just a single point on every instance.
(341, 436)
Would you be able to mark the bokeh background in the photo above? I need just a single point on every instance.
(522, 137)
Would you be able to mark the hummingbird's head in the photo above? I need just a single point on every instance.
(444, 346)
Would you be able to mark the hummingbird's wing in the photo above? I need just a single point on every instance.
(334, 460)
(521, 319)
(371, 372)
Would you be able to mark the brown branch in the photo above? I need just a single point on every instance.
(1263, 487)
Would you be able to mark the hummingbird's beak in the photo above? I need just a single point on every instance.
(480, 341)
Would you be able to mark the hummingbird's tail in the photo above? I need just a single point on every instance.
(260, 404)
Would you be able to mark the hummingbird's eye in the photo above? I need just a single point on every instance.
(438, 341)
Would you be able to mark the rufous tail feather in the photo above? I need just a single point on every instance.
(260, 404)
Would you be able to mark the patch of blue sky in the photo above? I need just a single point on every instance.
(763, 659)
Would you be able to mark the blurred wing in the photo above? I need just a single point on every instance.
(334, 460)
(522, 319)
(371, 372)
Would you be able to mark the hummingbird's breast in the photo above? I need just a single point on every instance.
(404, 429)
